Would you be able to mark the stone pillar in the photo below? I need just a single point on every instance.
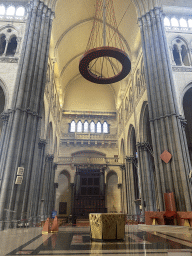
(47, 185)
(72, 198)
(37, 182)
(132, 187)
(51, 205)
(124, 199)
(165, 124)
(102, 184)
(21, 132)
(146, 176)
(5, 117)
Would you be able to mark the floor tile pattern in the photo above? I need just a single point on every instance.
(139, 240)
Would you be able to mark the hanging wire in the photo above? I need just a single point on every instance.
(105, 64)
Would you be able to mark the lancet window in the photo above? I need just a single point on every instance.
(92, 127)
(89, 127)
(8, 42)
(180, 53)
(178, 23)
(12, 12)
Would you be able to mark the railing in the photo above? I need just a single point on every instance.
(88, 160)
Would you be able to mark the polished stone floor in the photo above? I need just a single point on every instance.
(139, 240)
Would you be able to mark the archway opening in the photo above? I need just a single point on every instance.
(12, 46)
(187, 107)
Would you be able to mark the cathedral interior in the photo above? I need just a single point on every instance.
(73, 146)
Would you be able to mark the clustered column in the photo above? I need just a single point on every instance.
(36, 185)
(21, 132)
(166, 129)
(130, 185)
(48, 186)
(147, 177)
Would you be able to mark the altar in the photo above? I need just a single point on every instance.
(107, 226)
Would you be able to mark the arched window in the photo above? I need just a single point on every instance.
(79, 126)
(183, 23)
(184, 56)
(73, 126)
(2, 10)
(92, 126)
(105, 127)
(86, 126)
(98, 127)
(174, 22)
(176, 55)
(20, 11)
(180, 52)
(12, 46)
(10, 11)
(190, 23)
(167, 22)
(2, 44)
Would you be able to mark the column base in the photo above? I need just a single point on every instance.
(7, 224)
(14, 224)
(1, 225)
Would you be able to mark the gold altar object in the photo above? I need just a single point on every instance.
(107, 226)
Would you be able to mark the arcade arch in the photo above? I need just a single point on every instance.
(187, 106)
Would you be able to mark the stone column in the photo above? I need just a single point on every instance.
(165, 124)
(72, 198)
(47, 184)
(51, 195)
(131, 184)
(37, 182)
(102, 184)
(124, 202)
(22, 126)
(5, 117)
(147, 177)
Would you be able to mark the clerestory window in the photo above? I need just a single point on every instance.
(89, 127)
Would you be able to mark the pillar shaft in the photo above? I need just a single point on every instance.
(165, 124)
(21, 132)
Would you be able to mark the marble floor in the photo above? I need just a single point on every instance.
(139, 240)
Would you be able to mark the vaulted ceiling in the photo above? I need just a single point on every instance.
(71, 30)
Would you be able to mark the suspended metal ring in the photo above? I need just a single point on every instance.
(104, 51)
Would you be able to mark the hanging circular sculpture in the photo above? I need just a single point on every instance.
(104, 51)
(105, 60)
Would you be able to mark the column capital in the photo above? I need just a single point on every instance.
(42, 143)
(183, 121)
(5, 117)
(122, 167)
(130, 159)
(54, 166)
(49, 157)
